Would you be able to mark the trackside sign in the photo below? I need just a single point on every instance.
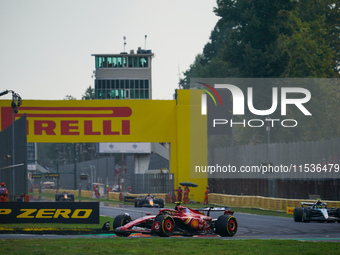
(50, 212)
(94, 120)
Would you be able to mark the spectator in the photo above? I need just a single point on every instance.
(186, 194)
(205, 202)
(179, 194)
(3, 193)
(107, 190)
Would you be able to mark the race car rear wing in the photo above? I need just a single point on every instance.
(303, 204)
(215, 209)
(307, 204)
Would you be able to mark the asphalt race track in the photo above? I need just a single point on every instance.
(249, 227)
(252, 226)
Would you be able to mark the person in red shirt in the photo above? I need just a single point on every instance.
(206, 196)
(96, 191)
(107, 190)
(3, 193)
(186, 194)
(179, 194)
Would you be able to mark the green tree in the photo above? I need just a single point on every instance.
(89, 94)
(310, 46)
(279, 39)
(69, 97)
(251, 46)
(210, 63)
(328, 12)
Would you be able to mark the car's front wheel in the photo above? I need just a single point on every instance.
(338, 214)
(226, 225)
(165, 225)
(121, 220)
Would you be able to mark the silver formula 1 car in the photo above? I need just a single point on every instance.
(317, 211)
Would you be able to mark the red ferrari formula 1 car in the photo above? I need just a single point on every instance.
(181, 221)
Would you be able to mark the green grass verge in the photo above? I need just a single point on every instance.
(164, 246)
(57, 226)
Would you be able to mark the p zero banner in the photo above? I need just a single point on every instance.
(50, 212)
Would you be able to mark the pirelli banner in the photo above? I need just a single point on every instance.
(95, 120)
(122, 121)
(50, 212)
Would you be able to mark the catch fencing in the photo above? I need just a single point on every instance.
(13, 158)
(152, 183)
(297, 160)
(314, 170)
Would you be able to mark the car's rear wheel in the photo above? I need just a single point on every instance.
(166, 225)
(161, 203)
(121, 220)
(226, 225)
(71, 196)
(298, 212)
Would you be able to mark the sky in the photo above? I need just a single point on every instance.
(46, 46)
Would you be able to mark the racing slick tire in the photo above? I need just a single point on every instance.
(71, 196)
(137, 202)
(306, 214)
(121, 220)
(167, 225)
(161, 203)
(226, 225)
(298, 212)
(338, 214)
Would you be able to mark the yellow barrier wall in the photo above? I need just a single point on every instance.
(258, 202)
(84, 193)
(88, 193)
(265, 203)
